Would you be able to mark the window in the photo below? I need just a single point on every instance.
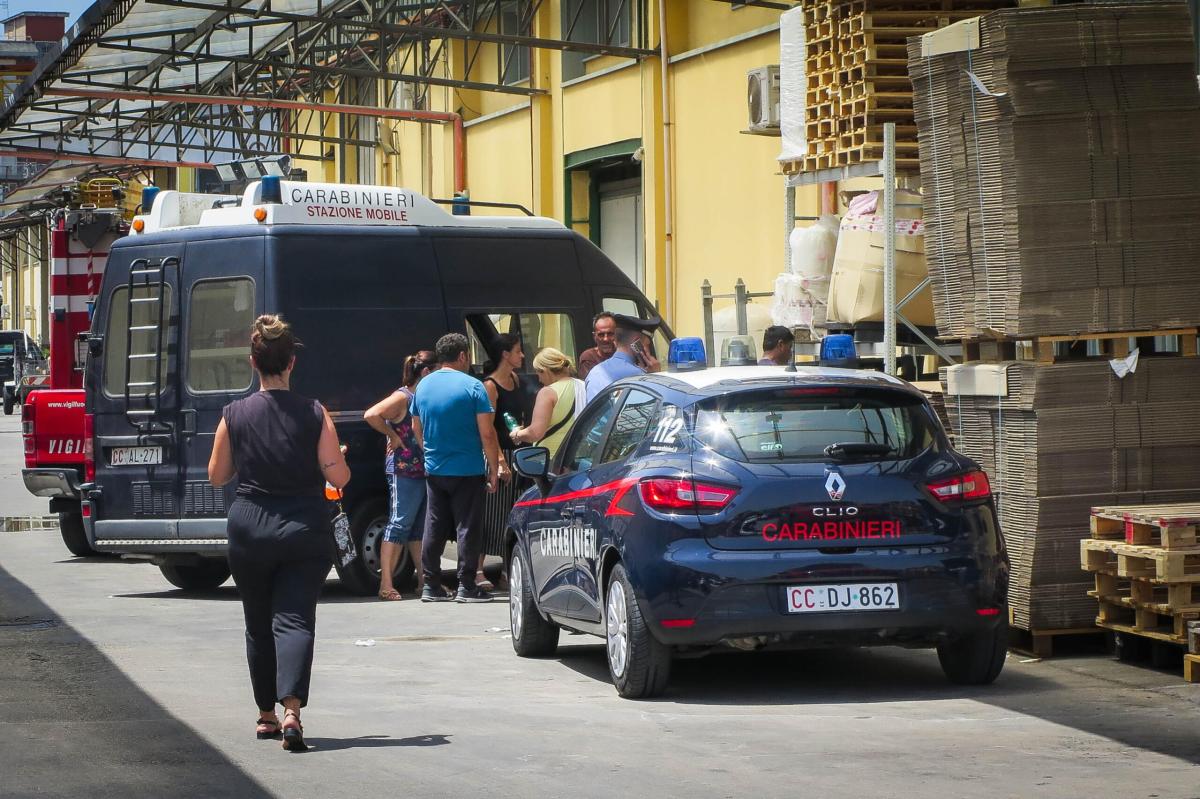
(220, 313)
(584, 444)
(514, 59)
(631, 427)
(116, 340)
(630, 307)
(538, 331)
(596, 22)
(797, 424)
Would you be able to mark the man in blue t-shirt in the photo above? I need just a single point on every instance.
(452, 418)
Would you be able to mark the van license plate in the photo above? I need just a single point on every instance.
(135, 456)
(843, 596)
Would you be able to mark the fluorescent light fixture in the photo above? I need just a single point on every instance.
(228, 173)
(277, 165)
(252, 169)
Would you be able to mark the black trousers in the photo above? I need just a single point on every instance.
(453, 509)
(280, 555)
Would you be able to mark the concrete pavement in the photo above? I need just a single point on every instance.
(14, 499)
(113, 684)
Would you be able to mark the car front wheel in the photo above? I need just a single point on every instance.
(638, 663)
(975, 659)
(532, 635)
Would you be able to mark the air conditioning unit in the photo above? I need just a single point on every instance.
(762, 97)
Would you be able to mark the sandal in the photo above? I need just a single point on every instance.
(390, 595)
(481, 581)
(266, 729)
(293, 736)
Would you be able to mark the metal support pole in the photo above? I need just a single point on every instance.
(889, 248)
(740, 300)
(789, 222)
(706, 300)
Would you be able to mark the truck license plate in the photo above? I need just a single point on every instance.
(135, 456)
(843, 596)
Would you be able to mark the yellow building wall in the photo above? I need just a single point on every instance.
(728, 191)
(499, 162)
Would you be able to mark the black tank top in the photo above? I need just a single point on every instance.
(274, 437)
(510, 401)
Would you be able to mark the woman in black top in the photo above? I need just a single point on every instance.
(503, 386)
(282, 448)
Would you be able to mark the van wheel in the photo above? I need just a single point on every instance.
(202, 575)
(975, 659)
(9, 403)
(637, 662)
(361, 577)
(532, 635)
(73, 535)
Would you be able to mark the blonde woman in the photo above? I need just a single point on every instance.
(557, 404)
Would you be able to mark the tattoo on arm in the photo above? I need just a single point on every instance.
(328, 465)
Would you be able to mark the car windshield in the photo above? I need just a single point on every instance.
(815, 424)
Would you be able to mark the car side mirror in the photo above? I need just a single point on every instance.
(534, 463)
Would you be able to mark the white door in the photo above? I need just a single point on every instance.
(621, 227)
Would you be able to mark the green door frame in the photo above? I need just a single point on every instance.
(584, 160)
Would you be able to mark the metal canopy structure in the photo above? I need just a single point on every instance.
(107, 93)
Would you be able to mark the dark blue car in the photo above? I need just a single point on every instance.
(751, 507)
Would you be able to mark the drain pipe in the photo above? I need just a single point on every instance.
(668, 203)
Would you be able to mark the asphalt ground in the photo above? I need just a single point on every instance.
(113, 684)
(14, 499)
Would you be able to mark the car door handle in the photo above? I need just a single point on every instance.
(572, 512)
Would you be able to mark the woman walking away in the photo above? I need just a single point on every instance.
(503, 387)
(557, 404)
(405, 468)
(283, 448)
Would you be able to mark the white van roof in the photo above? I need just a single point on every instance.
(316, 204)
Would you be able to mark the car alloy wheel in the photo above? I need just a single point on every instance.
(617, 622)
(516, 586)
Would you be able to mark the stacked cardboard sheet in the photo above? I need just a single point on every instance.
(1057, 440)
(1062, 181)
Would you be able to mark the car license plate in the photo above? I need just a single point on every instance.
(843, 596)
(135, 456)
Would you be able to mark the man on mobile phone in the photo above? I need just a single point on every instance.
(633, 346)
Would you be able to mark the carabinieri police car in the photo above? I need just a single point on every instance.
(752, 507)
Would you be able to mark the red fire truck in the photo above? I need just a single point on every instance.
(53, 418)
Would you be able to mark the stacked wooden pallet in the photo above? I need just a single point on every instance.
(1146, 564)
(857, 75)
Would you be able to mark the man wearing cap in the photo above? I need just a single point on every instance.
(633, 341)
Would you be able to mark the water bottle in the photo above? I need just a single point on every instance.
(331, 493)
(510, 422)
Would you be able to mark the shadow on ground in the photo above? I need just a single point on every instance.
(131, 745)
(373, 742)
(1062, 692)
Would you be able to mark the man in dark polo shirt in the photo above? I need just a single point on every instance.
(604, 333)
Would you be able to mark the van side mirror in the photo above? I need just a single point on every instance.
(534, 463)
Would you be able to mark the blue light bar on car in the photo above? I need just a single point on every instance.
(686, 355)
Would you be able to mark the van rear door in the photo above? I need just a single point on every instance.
(222, 294)
(133, 397)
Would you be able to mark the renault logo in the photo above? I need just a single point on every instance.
(835, 486)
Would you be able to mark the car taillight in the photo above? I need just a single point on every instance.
(27, 415)
(89, 449)
(675, 495)
(963, 488)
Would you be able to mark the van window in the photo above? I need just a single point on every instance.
(116, 340)
(538, 331)
(220, 313)
(629, 307)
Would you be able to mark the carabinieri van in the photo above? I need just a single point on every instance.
(365, 274)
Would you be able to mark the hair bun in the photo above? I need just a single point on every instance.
(270, 327)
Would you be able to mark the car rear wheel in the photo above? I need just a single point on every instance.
(9, 404)
(975, 659)
(637, 662)
(532, 635)
(202, 575)
(70, 525)
(361, 577)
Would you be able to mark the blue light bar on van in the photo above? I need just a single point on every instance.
(270, 190)
(148, 195)
(686, 355)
